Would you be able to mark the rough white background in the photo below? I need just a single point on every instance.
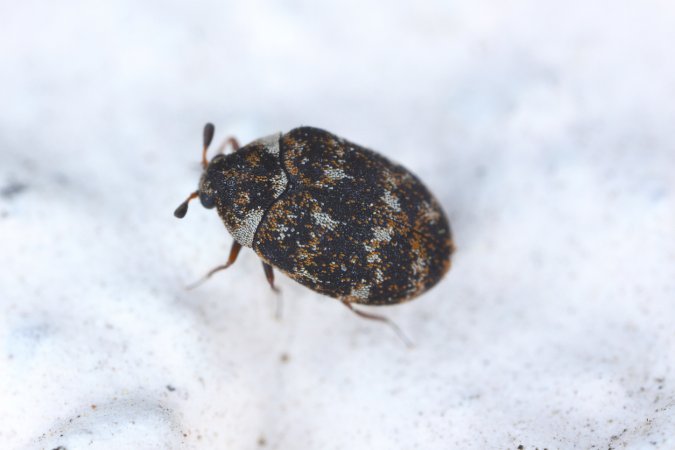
(546, 129)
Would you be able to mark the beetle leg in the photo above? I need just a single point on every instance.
(234, 252)
(233, 143)
(369, 316)
(269, 274)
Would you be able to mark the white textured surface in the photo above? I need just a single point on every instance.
(544, 127)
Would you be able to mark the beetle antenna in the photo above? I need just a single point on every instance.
(209, 129)
(182, 209)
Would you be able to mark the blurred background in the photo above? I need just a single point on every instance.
(543, 127)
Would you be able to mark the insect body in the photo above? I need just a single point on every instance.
(334, 216)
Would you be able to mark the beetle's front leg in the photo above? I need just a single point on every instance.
(233, 143)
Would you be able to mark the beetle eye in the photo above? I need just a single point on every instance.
(208, 201)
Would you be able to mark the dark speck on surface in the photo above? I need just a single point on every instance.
(13, 189)
(170, 388)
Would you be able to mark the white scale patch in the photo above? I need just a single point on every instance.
(361, 292)
(306, 274)
(373, 257)
(244, 233)
(391, 201)
(324, 220)
(336, 174)
(271, 143)
(419, 266)
(279, 182)
(390, 179)
(430, 213)
(382, 234)
(281, 230)
(378, 276)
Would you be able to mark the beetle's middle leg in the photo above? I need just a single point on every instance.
(234, 252)
(369, 316)
(269, 274)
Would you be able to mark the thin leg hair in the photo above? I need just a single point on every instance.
(383, 319)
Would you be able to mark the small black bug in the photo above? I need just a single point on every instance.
(334, 216)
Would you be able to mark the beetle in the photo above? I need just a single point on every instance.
(336, 217)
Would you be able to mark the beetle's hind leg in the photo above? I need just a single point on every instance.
(234, 252)
(369, 316)
(269, 274)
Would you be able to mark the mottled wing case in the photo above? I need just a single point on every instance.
(353, 225)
